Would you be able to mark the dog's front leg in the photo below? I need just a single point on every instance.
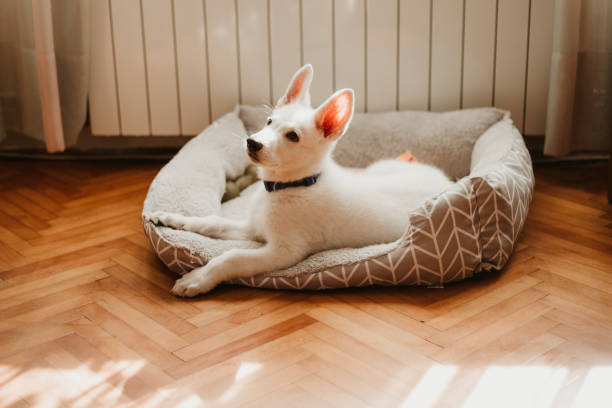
(235, 263)
(212, 226)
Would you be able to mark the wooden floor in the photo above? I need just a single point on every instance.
(86, 318)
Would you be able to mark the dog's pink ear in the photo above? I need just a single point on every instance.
(333, 116)
(299, 87)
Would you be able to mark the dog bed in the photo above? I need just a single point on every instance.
(470, 228)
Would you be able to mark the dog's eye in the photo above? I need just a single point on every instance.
(292, 136)
(269, 121)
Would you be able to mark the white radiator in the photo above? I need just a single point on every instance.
(169, 67)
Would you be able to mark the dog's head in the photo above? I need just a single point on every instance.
(296, 138)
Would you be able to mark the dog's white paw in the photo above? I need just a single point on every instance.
(193, 283)
(155, 216)
(167, 219)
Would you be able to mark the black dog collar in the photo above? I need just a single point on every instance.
(277, 185)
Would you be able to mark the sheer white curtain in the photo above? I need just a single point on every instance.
(579, 116)
(20, 97)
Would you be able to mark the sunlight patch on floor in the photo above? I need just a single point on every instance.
(245, 370)
(517, 386)
(596, 391)
(430, 387)
(82, 385)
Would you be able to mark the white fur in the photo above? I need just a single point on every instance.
(344, 208)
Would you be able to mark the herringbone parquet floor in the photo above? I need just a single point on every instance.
(86, 318)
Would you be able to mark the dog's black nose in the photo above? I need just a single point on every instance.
(253, 145)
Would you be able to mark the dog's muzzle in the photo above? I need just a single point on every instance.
(253, 146)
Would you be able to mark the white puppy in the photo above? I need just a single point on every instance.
(309, 203)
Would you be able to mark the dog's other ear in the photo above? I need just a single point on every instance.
(299, 87)
(334, 115)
